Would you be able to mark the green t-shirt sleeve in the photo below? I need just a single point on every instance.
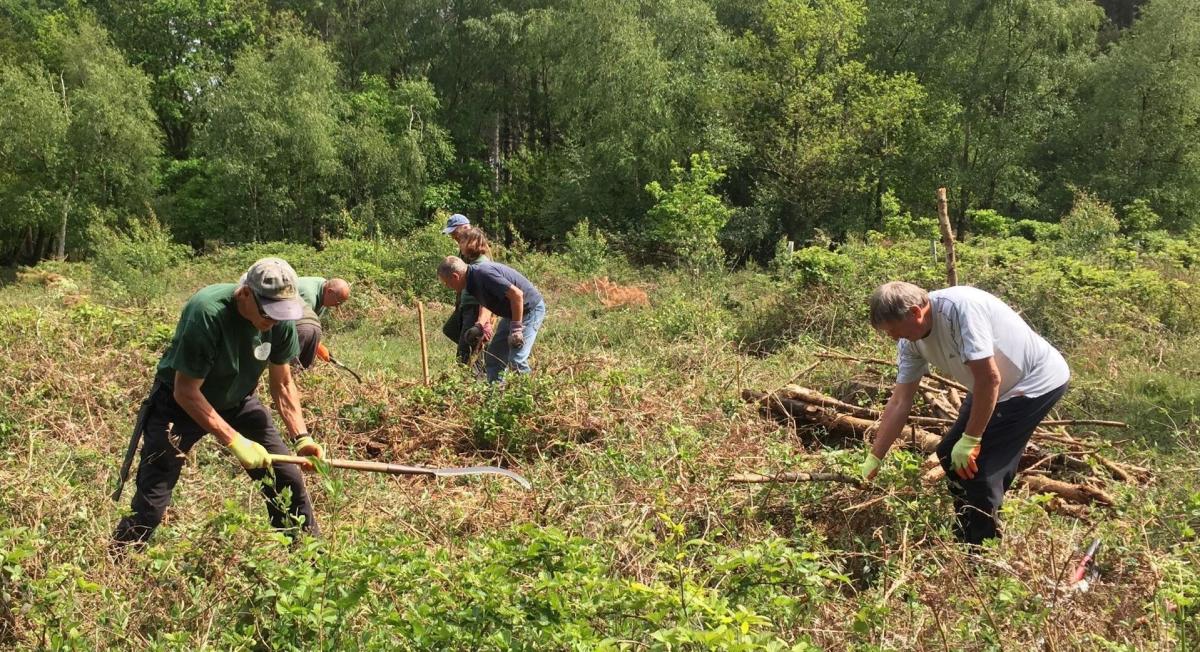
(285, 343)
(196, 342)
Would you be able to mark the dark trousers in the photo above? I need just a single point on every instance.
(310, 336)
(977, 500)
(470, 313)
(163, 456)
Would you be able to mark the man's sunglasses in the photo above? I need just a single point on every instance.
(258, 304)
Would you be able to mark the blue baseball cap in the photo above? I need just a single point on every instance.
(456, 220)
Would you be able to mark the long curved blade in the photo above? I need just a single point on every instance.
(402, 469)
(450, 472)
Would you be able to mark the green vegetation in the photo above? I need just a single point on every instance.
(631, 538)
(744, 121)
(752, 168)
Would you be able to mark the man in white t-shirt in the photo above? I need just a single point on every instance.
(1014, 376)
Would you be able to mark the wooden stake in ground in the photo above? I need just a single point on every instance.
(947, 237)
(424, 346)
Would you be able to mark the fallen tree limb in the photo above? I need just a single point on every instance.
(845, 426)
(890, 363)
(939, 405)
(794, 476)
(1085, 422)
(1060, 506)
(1123, 472)
(854, 424)
(1080, 494)
(807, 395)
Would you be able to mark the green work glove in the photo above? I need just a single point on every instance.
(962, 456)
(870, 466)
(251, 454)
(306, 446)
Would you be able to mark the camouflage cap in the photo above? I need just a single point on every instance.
(273, 281)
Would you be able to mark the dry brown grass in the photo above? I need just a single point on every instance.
(613, 295)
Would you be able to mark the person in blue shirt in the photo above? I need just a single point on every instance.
(505, 292)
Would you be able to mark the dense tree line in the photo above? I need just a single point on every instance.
(245, 120)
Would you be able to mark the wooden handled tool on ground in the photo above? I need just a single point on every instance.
(401, 469)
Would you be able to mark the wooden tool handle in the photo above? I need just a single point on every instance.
(355, 465)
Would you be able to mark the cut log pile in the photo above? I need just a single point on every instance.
(1055, 461)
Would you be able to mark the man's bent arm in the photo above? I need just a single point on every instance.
(187, 394)
(895, 415)
(286, 394)
(485, 315)
(983, 395)
(516, 299)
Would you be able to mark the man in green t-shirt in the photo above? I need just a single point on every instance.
(319, 295)
(206, 380)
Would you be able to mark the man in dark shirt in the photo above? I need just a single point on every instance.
(505, 292)
(227, 335)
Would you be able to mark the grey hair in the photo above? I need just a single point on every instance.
(891, 302)
(451, 265)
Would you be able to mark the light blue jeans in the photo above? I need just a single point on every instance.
(500, 357)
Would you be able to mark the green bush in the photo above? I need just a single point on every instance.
(133, 264)
(1090, 226)
(406, 267)
(683, 224)
(988, 222)
(818, 265)
(1036, 231)
(587, 249)
(506, 420)
(1138, 217)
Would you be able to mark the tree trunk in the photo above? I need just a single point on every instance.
(947, 238)
(61, 248)
(61, 251)
(494, 154)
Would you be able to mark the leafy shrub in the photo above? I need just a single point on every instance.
(132, 264)
(1138, 217)
(1036, 231)
(505, 420)
(988, 222)
(818, 265)
(684, 222)
(1090, 226)
(1174, 252)
(363, 414)
(679, 316)
(406, 267)
(897, 225)
(587, 249)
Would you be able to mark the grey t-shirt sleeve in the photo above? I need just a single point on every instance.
(975, 332)
(910, 364)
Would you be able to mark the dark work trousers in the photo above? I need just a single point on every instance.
(977, 500)
(162, 460)
(470, 313)
(309, 335)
